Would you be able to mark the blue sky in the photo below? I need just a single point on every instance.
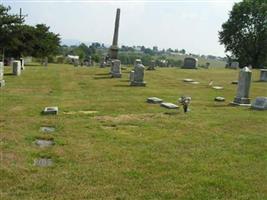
(192, 24)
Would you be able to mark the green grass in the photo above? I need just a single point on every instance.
(130, 149)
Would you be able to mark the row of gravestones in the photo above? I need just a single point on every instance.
(243, 88)
(46, 143)
(17, 67)
(136, 75)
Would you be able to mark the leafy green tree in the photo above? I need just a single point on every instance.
(245, 33)
(8, 26)
(48, 42)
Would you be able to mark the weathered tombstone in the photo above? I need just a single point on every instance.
(50, 111)
(45, 61)
(243, 87)
(190, 63)
(152, 65)
(169, 105)
(47, 129)
(42, 143)
(163, 63)
(2, 81)
(154, 100)
(137, 61)
(116, 68)
(16, 68)
(138, 78)
(234, 65)
(75, 62)
(260, 103)
(43, 162)
(22, 63)
(113, 51)
(103, 62)
(263, 76)
(219, 99)
(131, 76)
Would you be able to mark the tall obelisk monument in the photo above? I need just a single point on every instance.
(113, 51)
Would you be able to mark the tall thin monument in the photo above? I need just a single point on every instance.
(113, 51)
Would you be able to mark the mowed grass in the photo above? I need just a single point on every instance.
(130, 149)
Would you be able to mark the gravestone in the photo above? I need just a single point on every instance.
(50, 110)
(2, 81)
(16, 68)
(154, 100)
(169, 105)
(131, 76)
(45, 61)
(152, 65)
(188, 80)
(116, 68)
(263, 76)
(260, 103)
(137, 61)
(138, 77)
(43, 162)
(113, 51)
(219, 99)
(42, 143)
(234, 65)
(243, 87)
(22, 63)
(190, 63)
(47, 129)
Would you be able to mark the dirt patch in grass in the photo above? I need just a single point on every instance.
(126, 117)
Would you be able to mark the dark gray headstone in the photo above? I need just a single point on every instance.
(260, 103)
(263, 75)
(190, 63)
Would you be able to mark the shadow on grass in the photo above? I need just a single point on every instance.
(259, 81)
(102, 77)
(122, 86)
(33, 65)
(9, 74)
(102, 74)
(125, 81)
(171, 113)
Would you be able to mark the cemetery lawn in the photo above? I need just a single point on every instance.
(125, 148)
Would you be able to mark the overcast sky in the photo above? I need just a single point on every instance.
(192, 24)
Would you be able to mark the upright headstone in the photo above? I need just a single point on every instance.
(138, 77)
(116, 68)
(260, 103)
(137, 61)
(152, 65)
(190, 63)
(16, 67)
(2, 81)
(113, 51)
(131, 76)
(234, 65)
(243, 87)
(45, 61)
(22, 63)
(263, 76)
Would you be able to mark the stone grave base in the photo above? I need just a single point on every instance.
(116, 75)
(2, 83)
(50, 111)
(134, 83)
(241, 102)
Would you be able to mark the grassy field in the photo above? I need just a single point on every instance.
(129, 149)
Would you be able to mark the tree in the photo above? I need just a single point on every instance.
(8, 26)
(245, 33)
(48, 43)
